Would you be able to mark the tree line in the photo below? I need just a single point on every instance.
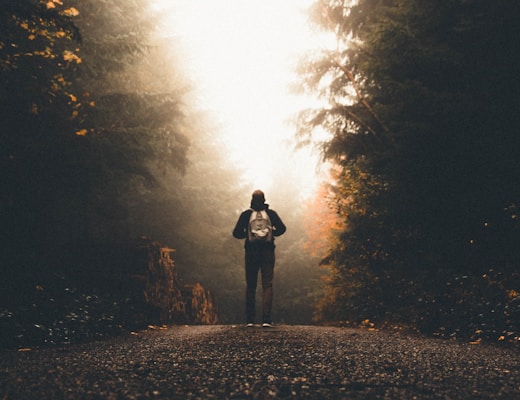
(102, 143)
(421, 105)
(103, 146)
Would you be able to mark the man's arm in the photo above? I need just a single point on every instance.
(278, 226)
(240, 231)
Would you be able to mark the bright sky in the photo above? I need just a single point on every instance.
(241, 54)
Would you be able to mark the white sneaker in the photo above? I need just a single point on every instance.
(250, 325)
(268, 325)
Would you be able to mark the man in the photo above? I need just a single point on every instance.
(258, 226)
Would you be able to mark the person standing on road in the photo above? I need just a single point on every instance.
(259, 225)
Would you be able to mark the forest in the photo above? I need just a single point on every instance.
(421, 106)
(103, 147)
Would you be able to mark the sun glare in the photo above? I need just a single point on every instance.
(241, 55)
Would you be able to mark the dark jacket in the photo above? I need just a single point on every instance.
(240, 231)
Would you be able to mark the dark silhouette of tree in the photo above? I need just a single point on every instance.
(38, 57)
(422, 108)
(85, 137)
(81, 131)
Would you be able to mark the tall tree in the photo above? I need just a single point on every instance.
(422, 111)
(137, 121)
(38, 56)
(78, 134)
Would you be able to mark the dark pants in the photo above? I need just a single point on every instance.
(259, 259)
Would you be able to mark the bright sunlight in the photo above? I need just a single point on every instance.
(241, 54)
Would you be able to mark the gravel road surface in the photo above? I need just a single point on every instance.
(285, 362)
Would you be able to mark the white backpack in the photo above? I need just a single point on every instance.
(260, 228)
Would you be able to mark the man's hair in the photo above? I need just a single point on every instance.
(258, 196)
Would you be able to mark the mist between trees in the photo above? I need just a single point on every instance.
(101, 146)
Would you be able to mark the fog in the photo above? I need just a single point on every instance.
(125, 123)
(239, 57)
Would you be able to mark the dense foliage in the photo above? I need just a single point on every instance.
(422, 107)
(76, 148)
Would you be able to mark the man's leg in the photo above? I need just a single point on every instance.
(267, 284)
(252, 267)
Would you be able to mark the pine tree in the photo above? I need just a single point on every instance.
(422, 109)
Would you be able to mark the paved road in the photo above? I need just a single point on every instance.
(235, 362)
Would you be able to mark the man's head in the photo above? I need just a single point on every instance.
(258, 196)
(257, 200)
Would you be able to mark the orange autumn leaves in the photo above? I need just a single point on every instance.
(69, 12)
(45, 34)
(322, 224)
